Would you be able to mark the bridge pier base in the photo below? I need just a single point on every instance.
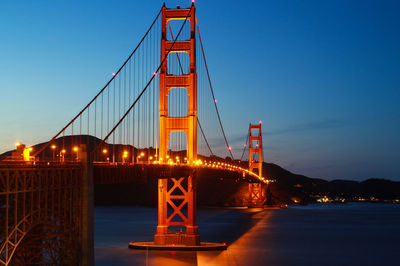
(177, 208)
(256, 195)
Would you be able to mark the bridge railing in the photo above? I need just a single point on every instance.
(40, 214)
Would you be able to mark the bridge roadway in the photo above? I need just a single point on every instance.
(123, 172)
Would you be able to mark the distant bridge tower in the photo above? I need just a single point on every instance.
(177, 199)
(256, 195)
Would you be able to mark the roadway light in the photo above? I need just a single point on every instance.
(124, 156)
(53, 147)
(77, 154)
(62, 155)
(105, 151)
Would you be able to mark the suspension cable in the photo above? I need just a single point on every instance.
(245, 146)
(198, 121)
(147, 85)
(204, 136)
(101, 91)
(212, 92)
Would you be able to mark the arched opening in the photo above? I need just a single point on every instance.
(177, 147)
(255, 132)
(178, 102)
(178, 63)
(255, 157)
(255, 144)
(173, 28)
(47, 244)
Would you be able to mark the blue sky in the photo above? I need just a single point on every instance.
(323, 76)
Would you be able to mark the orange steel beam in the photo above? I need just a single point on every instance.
(256, 197)
(177, 199)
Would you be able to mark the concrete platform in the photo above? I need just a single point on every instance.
(204, 246)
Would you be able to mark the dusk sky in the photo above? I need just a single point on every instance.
(323, 76)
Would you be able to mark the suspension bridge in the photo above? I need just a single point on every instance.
(156, 116)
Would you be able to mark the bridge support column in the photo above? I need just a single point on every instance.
(177, 207)
(256, 195)
(177, 195)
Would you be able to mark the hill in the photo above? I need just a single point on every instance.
(287, 188)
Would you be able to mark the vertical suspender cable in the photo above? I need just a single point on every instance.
(212, 91)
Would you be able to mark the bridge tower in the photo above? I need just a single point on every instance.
(177, 196)
(256, 195)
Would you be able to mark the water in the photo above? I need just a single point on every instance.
(346, 234)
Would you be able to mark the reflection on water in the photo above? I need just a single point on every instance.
(349, 234)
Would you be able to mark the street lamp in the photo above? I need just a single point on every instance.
(53, 147)
(62, 155)
(75, 149)
(124, 156)
(105, 151)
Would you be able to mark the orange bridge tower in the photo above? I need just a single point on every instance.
(177, 195)
(256, 195)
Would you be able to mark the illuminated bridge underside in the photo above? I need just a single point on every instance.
(40, 212)
(111, 174)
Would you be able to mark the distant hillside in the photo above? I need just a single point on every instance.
(305, 189)
(288, 188)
